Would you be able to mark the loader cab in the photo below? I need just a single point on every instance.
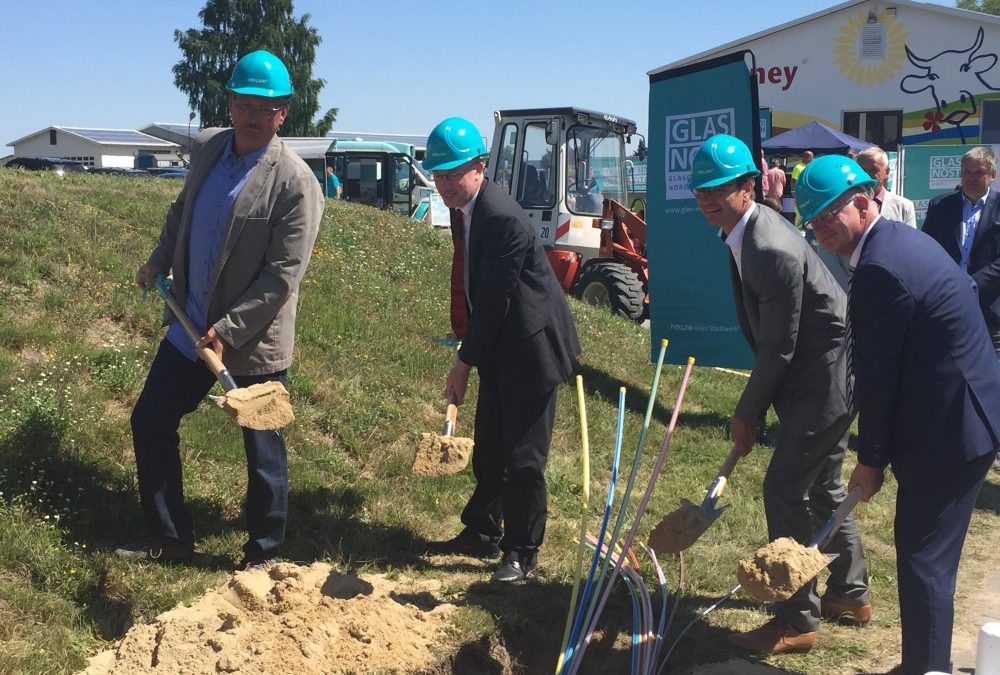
(378, 174)
(560, 164)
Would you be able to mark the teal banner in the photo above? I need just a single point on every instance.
(930, 170)
(690, 293)
(765, 123)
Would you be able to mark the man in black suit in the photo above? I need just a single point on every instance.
(927, 389)
(510, 313)
(967, 224)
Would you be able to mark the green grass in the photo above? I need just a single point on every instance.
(76, 339)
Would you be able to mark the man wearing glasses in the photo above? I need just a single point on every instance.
(510, 313)
(237, 240)
(791, 312)
(927, 388)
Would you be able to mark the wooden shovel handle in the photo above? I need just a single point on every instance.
(209, 356)
(730, 463)
(823, 537)
(451, 415)
(719, 482)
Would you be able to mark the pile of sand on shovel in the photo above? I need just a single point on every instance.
(678, 529)
(441, 455)
(263, 406)
(778, 570)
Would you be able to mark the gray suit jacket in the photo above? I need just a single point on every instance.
(895, 207)
(791, 312)
(268, 242)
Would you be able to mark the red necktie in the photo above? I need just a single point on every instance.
(459, 308)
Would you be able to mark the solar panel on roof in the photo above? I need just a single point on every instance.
(121, 136)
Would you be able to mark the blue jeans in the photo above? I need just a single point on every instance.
(174, 387)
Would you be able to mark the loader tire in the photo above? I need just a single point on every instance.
(612, 285)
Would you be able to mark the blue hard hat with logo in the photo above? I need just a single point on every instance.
(260, 73)
(824, 179)
(720, 159)
(452, 143)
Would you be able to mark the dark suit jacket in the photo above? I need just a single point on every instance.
(520, 326)
(927, 381)
(944, 223)
(791, 312)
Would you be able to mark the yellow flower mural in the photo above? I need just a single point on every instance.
(870, 49)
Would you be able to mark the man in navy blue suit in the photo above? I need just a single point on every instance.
(926, 388)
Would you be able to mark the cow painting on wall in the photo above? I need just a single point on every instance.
(951, 77)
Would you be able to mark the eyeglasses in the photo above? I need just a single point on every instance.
(454, 174)
(716, 192)
(830, 214)
(261, 111)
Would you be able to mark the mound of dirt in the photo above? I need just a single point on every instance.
(778, 570)
(290, 619)
(441, 455)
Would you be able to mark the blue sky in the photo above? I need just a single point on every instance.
(391, 67)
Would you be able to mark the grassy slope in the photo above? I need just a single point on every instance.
(75, 340)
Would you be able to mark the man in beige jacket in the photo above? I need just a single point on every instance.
(237, 240)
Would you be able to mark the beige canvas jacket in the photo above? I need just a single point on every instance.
(254, 288)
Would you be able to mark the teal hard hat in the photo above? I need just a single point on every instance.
(452, 143)
(720, 159)
(260, 73)
(824, 179)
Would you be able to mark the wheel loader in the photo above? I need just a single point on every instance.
(566, 168)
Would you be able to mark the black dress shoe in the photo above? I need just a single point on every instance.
(156, 549)
(258, 563)
(467, 543)
(512, 569)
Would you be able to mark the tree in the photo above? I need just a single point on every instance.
(985, 6)
(233, 28)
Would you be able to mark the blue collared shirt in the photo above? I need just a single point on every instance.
(213, 207)
(971, 211)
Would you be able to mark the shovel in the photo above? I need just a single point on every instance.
(262, 406)
(777, 571)
(683, 526)
(445, 454)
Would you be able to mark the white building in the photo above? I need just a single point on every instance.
(891, 72)
(97, 147)
(181, 134)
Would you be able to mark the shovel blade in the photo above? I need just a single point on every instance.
(683, 526)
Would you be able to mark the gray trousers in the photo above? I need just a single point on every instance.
(802, 488)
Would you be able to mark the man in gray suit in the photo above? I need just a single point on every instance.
(875, 162)
(238, 239)
(791, 312)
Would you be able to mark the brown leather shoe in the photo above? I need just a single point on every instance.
(774, 637)
(847, 612)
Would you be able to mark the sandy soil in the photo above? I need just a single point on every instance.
(263, 406)
(290, 619)
(778, 570)
(441, 455)
(679, 529)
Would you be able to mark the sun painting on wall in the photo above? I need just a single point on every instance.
(870, 48)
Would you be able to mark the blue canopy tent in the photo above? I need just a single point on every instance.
(814, 136)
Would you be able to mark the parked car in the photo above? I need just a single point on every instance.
(119, 170)
(57, 164)
(173, 171)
